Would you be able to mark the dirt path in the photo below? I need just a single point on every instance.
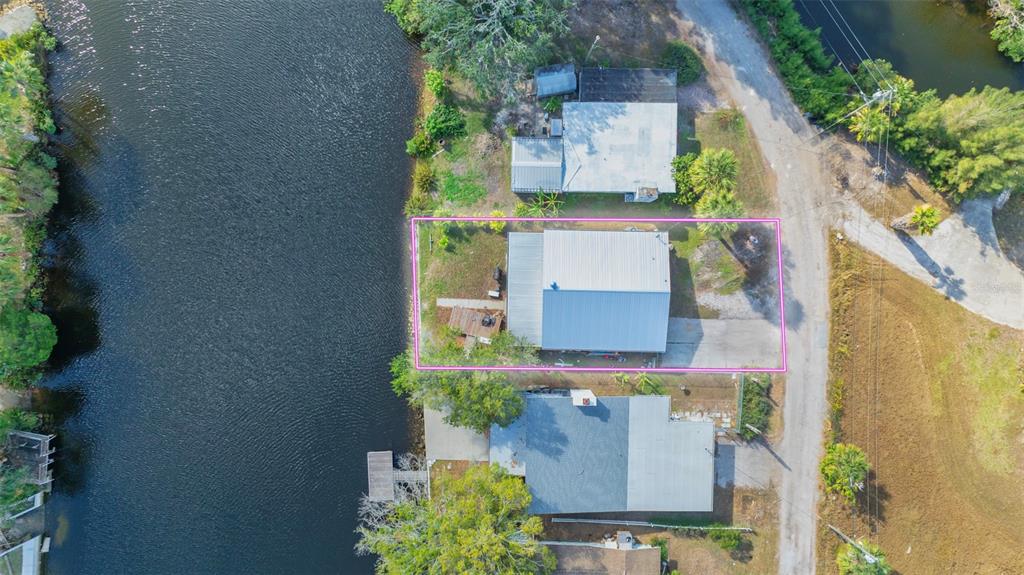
(738, 66)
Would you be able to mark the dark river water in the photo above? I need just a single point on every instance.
(939, 44)
(226, 273)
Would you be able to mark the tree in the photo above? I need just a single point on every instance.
(844, 469)
(1009, 27)
(718, 205)
(475, 400)
(492, 43)
(444, 121)
(685, 194)
(26, 339)
(851, 560)
(12, 419)
(713, 171)
(476, 524)
(684, 60)
(924, 219)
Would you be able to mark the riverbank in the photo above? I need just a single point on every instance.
(28, 190)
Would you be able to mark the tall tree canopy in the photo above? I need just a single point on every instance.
(26, 339)
(476, 524)
(471, 399)
(1009, 28)
(492, 43)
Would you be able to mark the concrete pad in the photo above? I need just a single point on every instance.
(722, 343)
(448, 442)
(17, 20)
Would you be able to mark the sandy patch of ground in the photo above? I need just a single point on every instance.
(932, 394)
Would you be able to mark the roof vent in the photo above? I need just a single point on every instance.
(583, 397)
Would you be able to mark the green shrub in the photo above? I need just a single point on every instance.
(420, 145)
(434, 80)
(684, 60)
(662, 544)
(407, 14)
(851, 561)
(553, 105)
(423, 177)
(844, 470)
(497, 226)
(685, 193)
(727, 539)
(419, 203)
(444, 121)
(757, 406)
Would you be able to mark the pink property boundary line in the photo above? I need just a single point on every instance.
(416, 298)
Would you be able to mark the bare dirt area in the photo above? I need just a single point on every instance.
(933, 395)
(855, 170)
(692, 553)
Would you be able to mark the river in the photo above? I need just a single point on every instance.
(226, 272)
(940, 45)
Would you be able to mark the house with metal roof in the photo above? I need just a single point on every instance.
(589, 290)
(612, 454)
(619, 138)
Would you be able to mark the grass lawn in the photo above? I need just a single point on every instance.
(932, 393)
(755, 186)
(462, 270)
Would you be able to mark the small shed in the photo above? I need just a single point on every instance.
(555, 80)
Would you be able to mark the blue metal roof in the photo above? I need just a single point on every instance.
(623, 454)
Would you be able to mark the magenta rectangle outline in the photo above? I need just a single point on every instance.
(777, 222)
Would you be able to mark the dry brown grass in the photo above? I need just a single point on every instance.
(931, 393)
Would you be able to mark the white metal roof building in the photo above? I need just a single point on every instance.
(536, 165)
(618, 147)
(589, 290)
(555, 80)
(619, 454)
(620, 137)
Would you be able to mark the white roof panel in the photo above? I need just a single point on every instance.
(606, 261)
(618, 147)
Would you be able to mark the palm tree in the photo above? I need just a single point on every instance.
(924, 219)
(713, 171)
(719, 205)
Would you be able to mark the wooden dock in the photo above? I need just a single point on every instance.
(380, 471)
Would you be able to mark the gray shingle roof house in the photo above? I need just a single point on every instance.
(589, 290)
(620, 454)
(619, 139)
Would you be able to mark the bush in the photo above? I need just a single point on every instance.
(444, 121)
(685, 194)
(851, 561)
(553, 105)
(844, 470)
(434, 80)
(420, 145)
(406, 13)
(757, 407)
(684, 60)
(419, 204)
(727, 539)
(26, 339)
(662, 544)
(423, 177)
(495, 226)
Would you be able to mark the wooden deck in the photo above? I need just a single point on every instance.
(470, 322)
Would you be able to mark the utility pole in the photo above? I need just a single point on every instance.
(587, 59)
(871, 559)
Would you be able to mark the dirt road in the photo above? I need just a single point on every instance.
(738, 66)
